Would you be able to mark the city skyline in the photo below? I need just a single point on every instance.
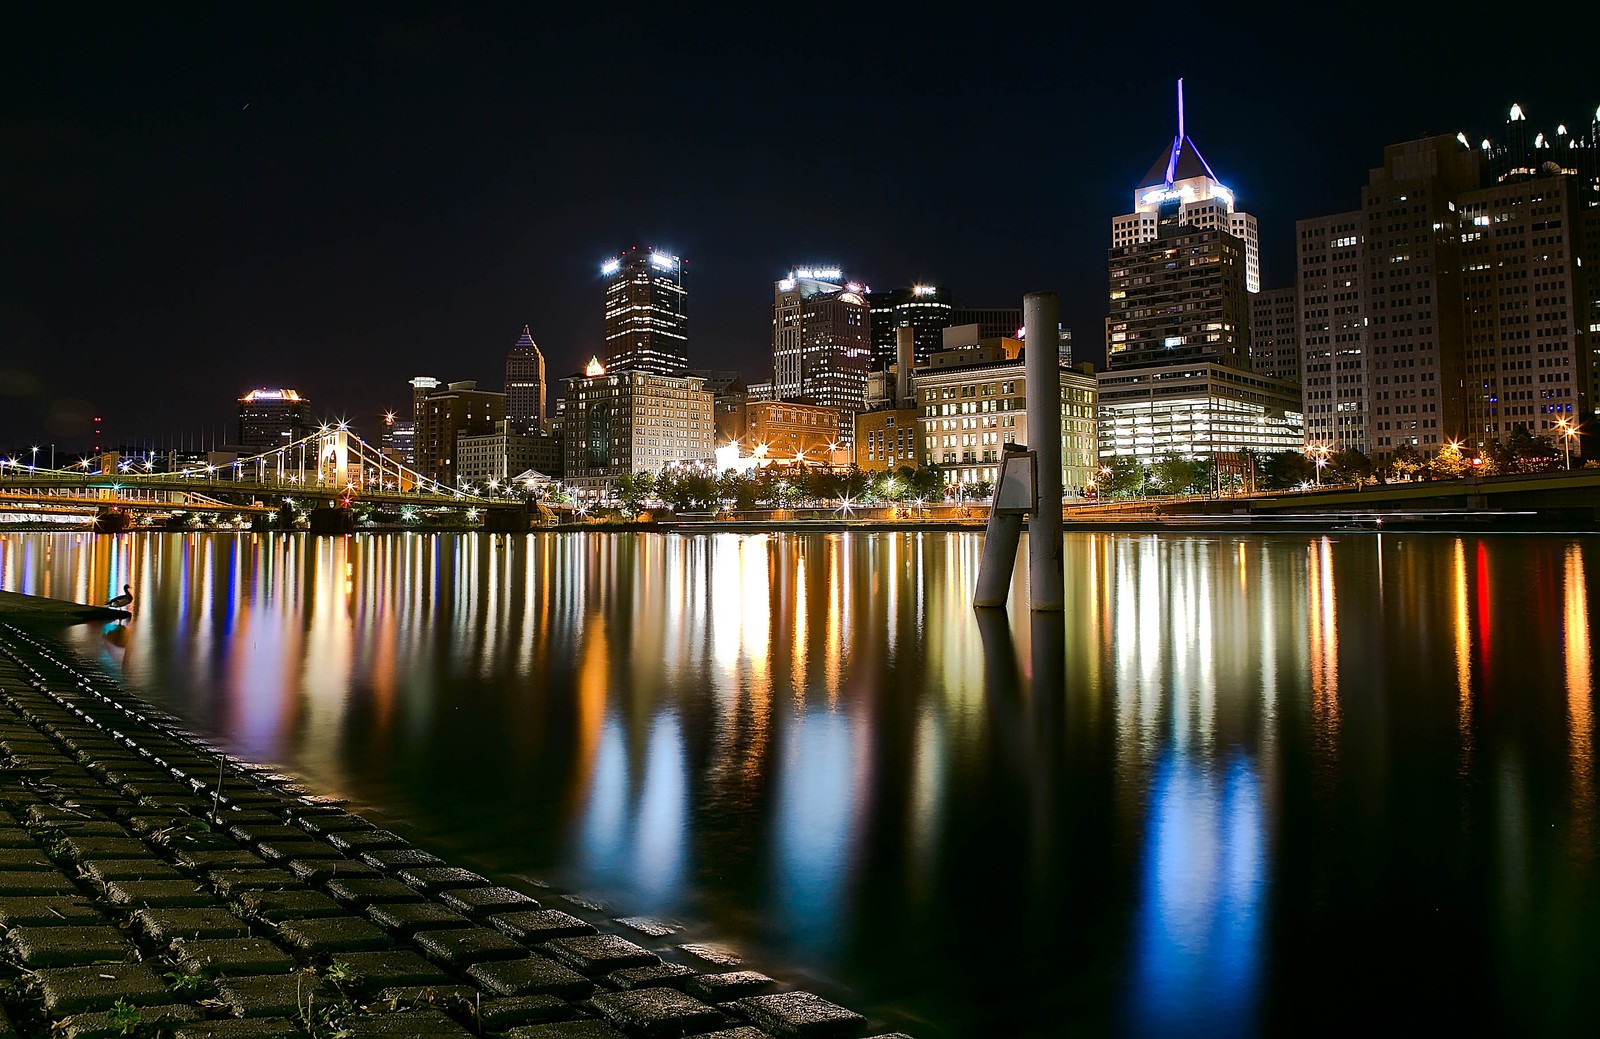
(246, 237)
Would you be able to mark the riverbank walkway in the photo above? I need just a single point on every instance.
(152, 887)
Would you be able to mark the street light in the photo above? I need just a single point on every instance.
(1568, 431)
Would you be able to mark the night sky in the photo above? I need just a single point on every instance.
(339, 197)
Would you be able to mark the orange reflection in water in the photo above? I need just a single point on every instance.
(1580, 706)
(1462, 627)
(1324, 644)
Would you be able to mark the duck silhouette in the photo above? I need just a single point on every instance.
(122, 601)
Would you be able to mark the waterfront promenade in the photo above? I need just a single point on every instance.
(151, 886)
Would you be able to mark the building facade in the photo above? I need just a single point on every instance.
(785, 431)
(457, 410)
(1199, 410)
(618, 423)
(1178, 299)
(646, 313)
(966, 413)
(821, 343)
(271, 418)
(525, 385)
(886, 440)
(1332, 330)
(925, 309)
(1275, 333)
(497, 457)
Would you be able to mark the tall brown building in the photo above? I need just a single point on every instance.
(1178, 298)
(1412, 253)
(1332, 317)
(525, 385)
(459, 409)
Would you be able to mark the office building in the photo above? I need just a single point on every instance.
(456, 410)
(886, 439)
(925, 309)
(494, 458)
(617, 423)
(647, 316)
(971, 400)
(525, 385)
(271, 418)
(1198, 410)
(1332, 332)
(1275, 333)
(1178, 299)
(787, 431)
(821, 343)
(992, 322)
(1181, 188)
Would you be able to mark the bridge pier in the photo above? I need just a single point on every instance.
(333, 520)
(111, 521)
(516, 519)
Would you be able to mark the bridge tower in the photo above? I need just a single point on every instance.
(333, 458)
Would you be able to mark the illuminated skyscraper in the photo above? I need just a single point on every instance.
(647, 320)
(525, 387)
(821, 342)
(926, 308)
(270, 418)
(1181, 185)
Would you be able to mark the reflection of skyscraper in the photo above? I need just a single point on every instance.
(525, 386)
(647, 320)
(821, 342)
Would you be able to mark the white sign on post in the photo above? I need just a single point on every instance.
(1014, 490)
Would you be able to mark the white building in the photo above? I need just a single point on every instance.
(631, 422)
(1196, 410)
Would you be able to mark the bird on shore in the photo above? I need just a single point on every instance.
(122, 601)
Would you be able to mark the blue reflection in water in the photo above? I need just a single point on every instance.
(813, 823)
(632, 832)
(1197, 929)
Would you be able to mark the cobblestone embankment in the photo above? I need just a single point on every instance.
(149, 886)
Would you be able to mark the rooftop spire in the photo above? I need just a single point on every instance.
(1180, 106)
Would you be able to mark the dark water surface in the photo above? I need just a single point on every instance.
(1245, 785)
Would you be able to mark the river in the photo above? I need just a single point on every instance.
(1244, 785)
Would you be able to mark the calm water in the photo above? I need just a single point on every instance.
(1246, 785)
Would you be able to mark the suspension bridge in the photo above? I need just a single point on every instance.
(325, 476)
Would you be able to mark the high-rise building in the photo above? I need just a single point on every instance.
(925, 308)
(1275, 333)
(271, 418)
(1179, 298)
(525, 387)
(1332, 332)
(1411, 252)
(992, 322)
(821, 342)
(1182, 269)
(1181, 187)
(445, 415)
(620, 423)
(647, 316)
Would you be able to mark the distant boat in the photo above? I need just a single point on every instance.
(122, 601)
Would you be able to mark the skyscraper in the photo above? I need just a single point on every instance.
(270, 418)
(1411, 251)
(821, 342)
(1335, 355)
(1181, 185)
(647, 320)
(525, 386)
(1274, 333)
(925, 308)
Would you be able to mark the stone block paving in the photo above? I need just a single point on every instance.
(150, 886)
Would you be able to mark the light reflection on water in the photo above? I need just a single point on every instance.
(1233, 767)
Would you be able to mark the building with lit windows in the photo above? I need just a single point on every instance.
(618, 423)
(821, 343)
(1181, 185)
(270, 418)
(1332, 333)
(925, 309)
(1178, 299)
(971, 401)
(1199, 410)
(525, 385)
(456, 410)
(647, 317)
(1275, 333)
(498, 456)
(785, 431)
(886, 440)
